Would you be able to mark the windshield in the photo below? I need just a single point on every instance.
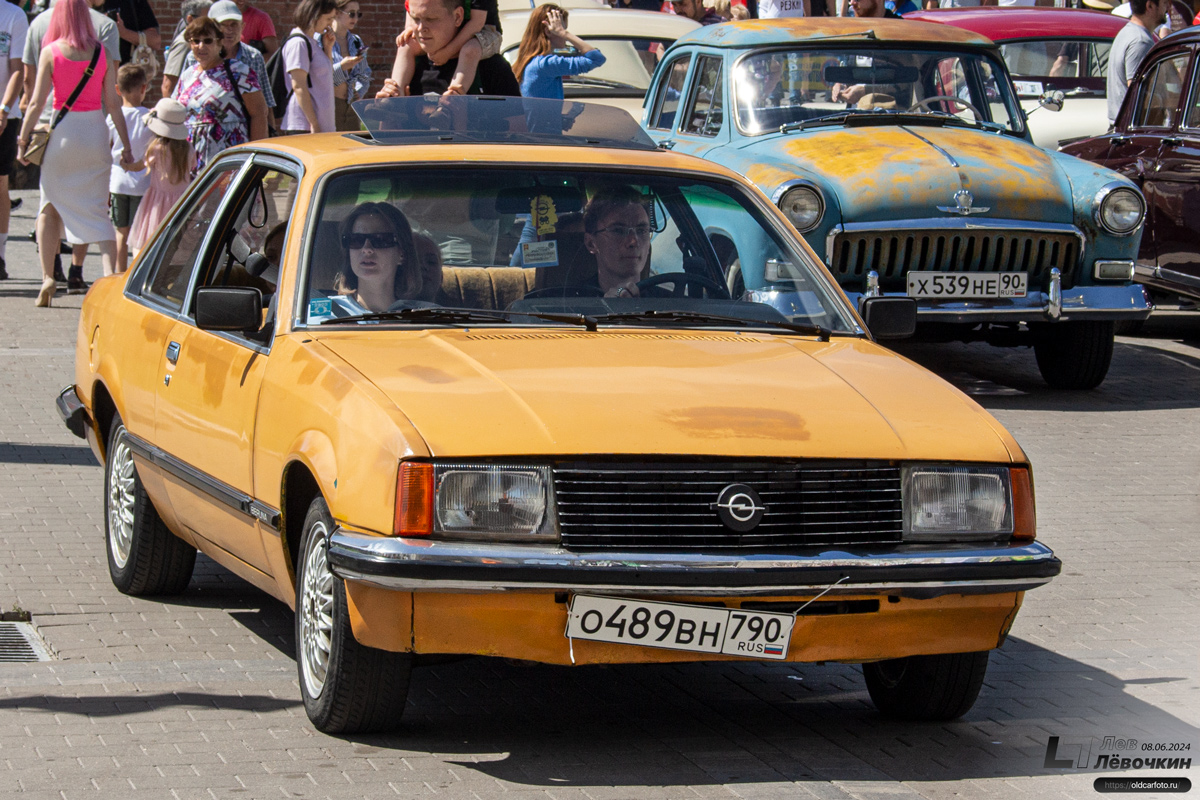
(780, 88)
(629, 63)
(1075, 66)
(619, 247)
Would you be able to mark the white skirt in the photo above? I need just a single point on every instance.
(75, 177)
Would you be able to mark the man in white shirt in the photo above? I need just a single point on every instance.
(13, 29)
(106, 30)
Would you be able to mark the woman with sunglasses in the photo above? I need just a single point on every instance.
(224, 101)
(381, 265)
(351, 73)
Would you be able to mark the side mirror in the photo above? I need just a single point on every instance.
(1052, 101)
(890, 317)
(228, 308)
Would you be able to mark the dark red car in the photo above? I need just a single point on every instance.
(1156, 143)
(1048, 50)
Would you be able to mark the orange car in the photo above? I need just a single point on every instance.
(485, 380)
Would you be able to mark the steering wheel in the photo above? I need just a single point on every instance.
(404, 304)
(936, 98)
(569, 290)
(682, 280)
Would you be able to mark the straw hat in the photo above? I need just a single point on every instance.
(167, 119)
(1102, 5)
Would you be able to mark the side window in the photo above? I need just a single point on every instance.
(1159, 98)
(669, 95)
(706, 109)
(169, 279)
(1192, 120)
(251, 244)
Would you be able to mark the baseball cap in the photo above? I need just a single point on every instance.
(224, 10)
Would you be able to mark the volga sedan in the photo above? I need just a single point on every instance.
(492, 396)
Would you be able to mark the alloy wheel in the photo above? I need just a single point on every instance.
(122, 494)
(316, 612)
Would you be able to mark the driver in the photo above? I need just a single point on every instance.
(617, 232)
(381, 265)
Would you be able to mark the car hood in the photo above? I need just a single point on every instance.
(878, 172)
(527, 392)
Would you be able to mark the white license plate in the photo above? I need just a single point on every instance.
(966, 285)
(676, 626)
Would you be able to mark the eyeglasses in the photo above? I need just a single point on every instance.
(353, 14)
(377, 241)
(204, 40)
(625, 231)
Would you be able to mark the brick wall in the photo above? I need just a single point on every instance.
(378, 29)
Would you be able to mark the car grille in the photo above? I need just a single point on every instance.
(668, 506)
(894, 253)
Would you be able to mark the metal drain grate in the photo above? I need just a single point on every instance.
(20, 643)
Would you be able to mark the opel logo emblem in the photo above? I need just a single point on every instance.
(739, 507)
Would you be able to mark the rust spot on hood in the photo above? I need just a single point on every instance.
(727, 422)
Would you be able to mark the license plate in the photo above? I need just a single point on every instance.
(676, 626)
(966, 285)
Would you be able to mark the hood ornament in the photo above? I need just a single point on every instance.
(963, 200)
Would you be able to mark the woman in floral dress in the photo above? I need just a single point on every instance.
(224, 101)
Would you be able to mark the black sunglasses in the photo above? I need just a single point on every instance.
(353, 14)
(378, 241)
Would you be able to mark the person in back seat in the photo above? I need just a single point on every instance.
(429, 259)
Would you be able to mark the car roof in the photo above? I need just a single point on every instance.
(1189, 35)
(766, 32)
(323, 152)
(625, 23)
(1024, 22)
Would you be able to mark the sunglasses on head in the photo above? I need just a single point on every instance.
(378, 241)
(204, 40)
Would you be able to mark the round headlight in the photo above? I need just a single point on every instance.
(804, 206)
(1120, 210)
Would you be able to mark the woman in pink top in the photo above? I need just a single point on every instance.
(77, 161)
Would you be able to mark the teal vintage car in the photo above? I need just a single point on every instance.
(899, 150)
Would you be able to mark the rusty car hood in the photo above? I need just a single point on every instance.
(880, 172)
(487, 392)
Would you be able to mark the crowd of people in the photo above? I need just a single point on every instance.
(228, 78)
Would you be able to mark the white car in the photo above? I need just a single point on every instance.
(632, 43)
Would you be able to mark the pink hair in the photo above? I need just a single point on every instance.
(72, 22)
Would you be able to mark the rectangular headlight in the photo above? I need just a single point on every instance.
(494, 501)
(957, 503)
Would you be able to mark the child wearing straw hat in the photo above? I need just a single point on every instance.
(169, 160)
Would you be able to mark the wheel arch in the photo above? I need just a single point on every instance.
(299, 488)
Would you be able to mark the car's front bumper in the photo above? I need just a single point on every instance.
(914, 571)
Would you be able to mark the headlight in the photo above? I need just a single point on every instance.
(494, 501)
(943, 504)
(1119, 209)
(804, 206)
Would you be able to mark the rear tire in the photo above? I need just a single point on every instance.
(144, 557)
(347, 687)
(926, 688)
(1074, 355)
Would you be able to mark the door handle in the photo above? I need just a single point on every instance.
(1172, 141)
(173, 352)
(667, 144)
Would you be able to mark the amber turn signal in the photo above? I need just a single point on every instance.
(414, 500)
(1024, 516)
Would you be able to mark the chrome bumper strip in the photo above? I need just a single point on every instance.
(913, 571)
(73, 411)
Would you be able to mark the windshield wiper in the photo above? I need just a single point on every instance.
(652, 315)
(828, 119)
(462, 316)
(580, 80)
(953, 119)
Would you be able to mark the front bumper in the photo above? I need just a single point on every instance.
(915, 571)
(73, 412)
(1080, 303)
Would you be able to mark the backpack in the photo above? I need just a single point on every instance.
(276, 74)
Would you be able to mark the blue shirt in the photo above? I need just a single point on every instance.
(543, 74)
(359, 76)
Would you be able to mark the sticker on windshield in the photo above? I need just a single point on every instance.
(320, 308)
(539, 254)
(1028, 87)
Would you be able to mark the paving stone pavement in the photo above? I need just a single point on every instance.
(196, 696)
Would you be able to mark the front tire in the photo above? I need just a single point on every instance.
(1074, 355)
(926, 688)
(347, 687)
(144, 557)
